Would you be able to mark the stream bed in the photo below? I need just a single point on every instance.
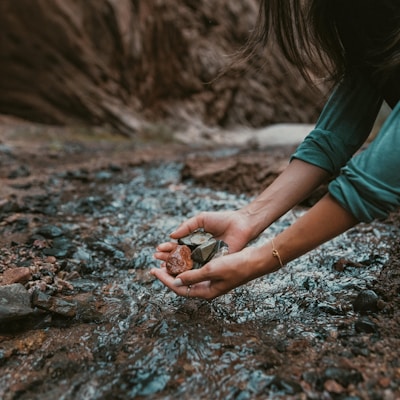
(293, 334)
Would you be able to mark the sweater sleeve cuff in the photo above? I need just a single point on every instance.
(325, 150)
(363, 196)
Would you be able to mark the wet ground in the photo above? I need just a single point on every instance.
(83, 215)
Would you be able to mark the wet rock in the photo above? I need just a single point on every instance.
(36, 285)
(366, 301)
(60, 248)
(88, 308)
(365, 325)
(16, 275)
(53, 304)
(15, 302)
(258, 381)
(341, 264)
(285, 385)
(106, 248)
(50, 231)
(9, 206)
(179, 260)
(330, 309)
(311, 377)
(79, 174)
(82, 255)
(91, 204)
(332, 386)
(18, 222)
(103, 176)
(84, 285)
(21, 171)
(343, 376)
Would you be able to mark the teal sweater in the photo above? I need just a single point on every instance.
(368, 184)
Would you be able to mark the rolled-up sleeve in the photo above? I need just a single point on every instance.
(344, 124)
(369, 185)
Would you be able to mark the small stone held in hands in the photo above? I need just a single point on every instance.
(194, 251)
(179, 260)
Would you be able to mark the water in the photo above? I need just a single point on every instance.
(150, 343)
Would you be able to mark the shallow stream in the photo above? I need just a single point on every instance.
(141, 340)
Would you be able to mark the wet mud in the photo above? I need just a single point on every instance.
(83, 219)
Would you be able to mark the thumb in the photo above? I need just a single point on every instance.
(194, 276)
(188, 226)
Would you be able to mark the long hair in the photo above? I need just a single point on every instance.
(340, 37)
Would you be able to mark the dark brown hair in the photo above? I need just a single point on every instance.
(340, 37)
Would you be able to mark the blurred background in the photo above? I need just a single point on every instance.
(144, 66)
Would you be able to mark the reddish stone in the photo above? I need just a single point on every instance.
(16, 275)
(179, 260)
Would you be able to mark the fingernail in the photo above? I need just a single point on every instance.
(178, 282)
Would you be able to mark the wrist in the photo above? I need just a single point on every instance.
(255, 219)
(261, 260)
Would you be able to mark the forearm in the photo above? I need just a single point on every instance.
(324, 221)
(291, 187)
(321, 223)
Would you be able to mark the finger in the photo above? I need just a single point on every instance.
(200, 290)
(189, 226)
(195, 276)
(168, 280)
(166, 247)
(160, 255)
(217, 270)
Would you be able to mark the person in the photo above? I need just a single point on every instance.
(357, 45)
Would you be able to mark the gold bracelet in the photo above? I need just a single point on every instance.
(275, 253)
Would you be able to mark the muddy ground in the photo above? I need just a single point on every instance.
(56, 230)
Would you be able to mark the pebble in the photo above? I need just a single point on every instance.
(21, 171)
(179, 260)
(365, 325)
(16, 275)
(343, 376)
(54, 304)
(50, 231)
(366, 301)
(333, 387)
(15, 303)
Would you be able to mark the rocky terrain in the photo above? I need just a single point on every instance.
(81, 318)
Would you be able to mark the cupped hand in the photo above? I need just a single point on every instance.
(217, 277)
(230, 226)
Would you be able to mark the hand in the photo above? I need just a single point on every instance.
(230, 226)
(219, 276)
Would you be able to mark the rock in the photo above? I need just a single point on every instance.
(365, 325)
(330, 309)
(366, 301)
(53, 304)
(21, 171)
(341, 264)
(343, 376)
(16, 275)
(170, 82)
(179, 260)
(50, 231)
(287, 386)
(60, 248)
(333, 387)
(15, 303)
